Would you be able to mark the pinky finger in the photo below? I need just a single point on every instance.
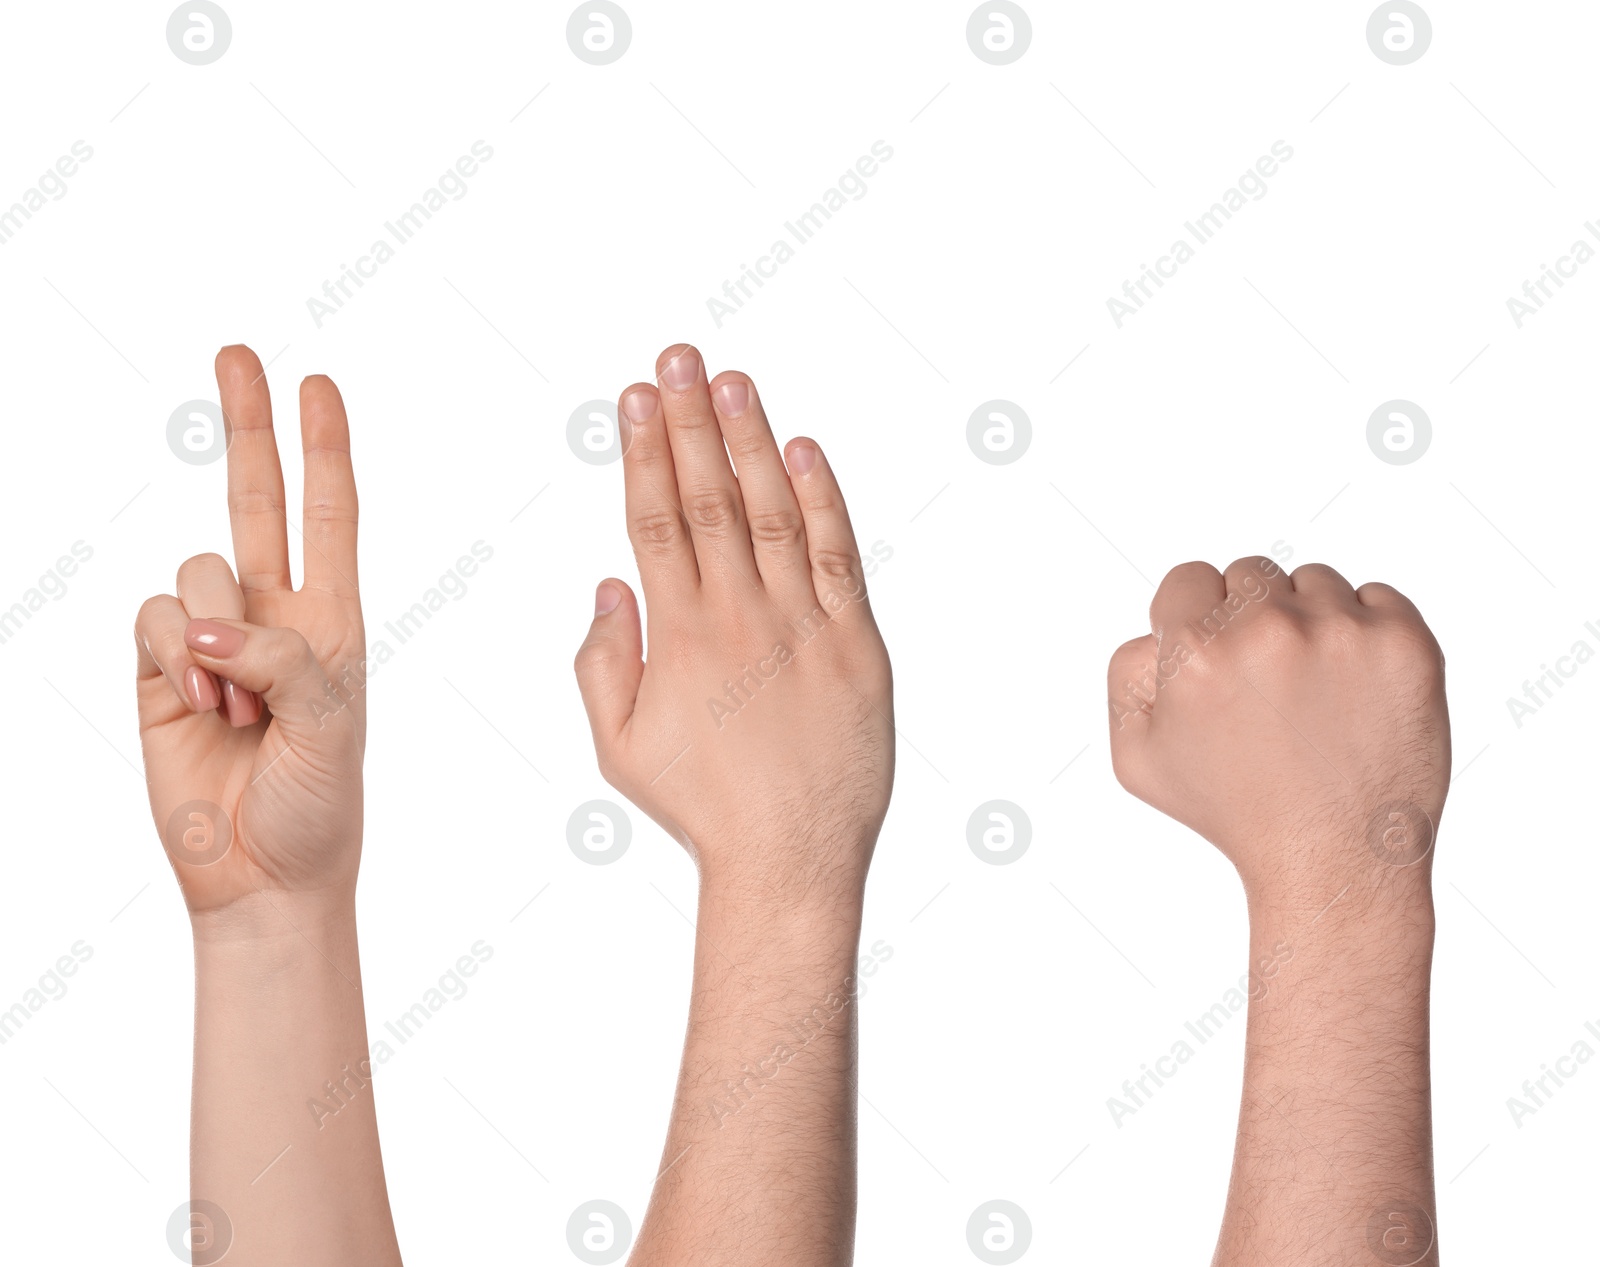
(1377, 594)
(836, 572)
(158, 632)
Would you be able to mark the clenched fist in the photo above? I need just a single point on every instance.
(1294, 721)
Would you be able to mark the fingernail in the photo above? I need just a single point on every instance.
(606, 598)
(680, 372)
(243, 707)
(732, 398)
(638, 405)
(802, 457)
(218, 641)
(202, 690)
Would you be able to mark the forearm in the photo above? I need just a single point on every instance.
(1334, 1158)
(759, 1164)
(285, 1137)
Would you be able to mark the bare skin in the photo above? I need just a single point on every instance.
(1299, 724)
(252, 716)
(759, 734)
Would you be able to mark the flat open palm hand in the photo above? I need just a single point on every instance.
(252, 707)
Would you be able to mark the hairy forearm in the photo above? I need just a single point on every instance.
(759, 1164)
(285, 1137)
(1334, 1158)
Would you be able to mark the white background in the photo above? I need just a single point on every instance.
(1229, 415)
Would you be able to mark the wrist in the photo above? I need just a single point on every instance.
(778, 934)
(1348, 902)
(276, 927)
(790, 883)
(781, 908)
(1381, 874)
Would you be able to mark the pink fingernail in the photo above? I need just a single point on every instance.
(201, 689)
(606, 598)
(802, 457)
(218, 641)
(242, 707)
(680, 372)
(732, 398)
(638, 405)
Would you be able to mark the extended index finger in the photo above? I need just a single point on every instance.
(255, 480)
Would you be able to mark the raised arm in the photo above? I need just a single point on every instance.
(1299, 725)
(252, 715)
(759, 735)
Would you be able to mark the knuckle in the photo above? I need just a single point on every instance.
(253, 501)
(1277, 620)
(588, 658)
(1249, 563)
(1409, 644)
(1277, 629)
(693, 422)
(1341, 636)
(869, 664)
(646, 445)
(329, 511)
(838, 579)
(1319, 574)
(838, 565)
(823, 501)
(1254, 572)
(835, 563)
(783, 528)
(1188, 571)
(746, 443)
(656, 531)
(287, 654)
(144, 619)
(714, 512)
